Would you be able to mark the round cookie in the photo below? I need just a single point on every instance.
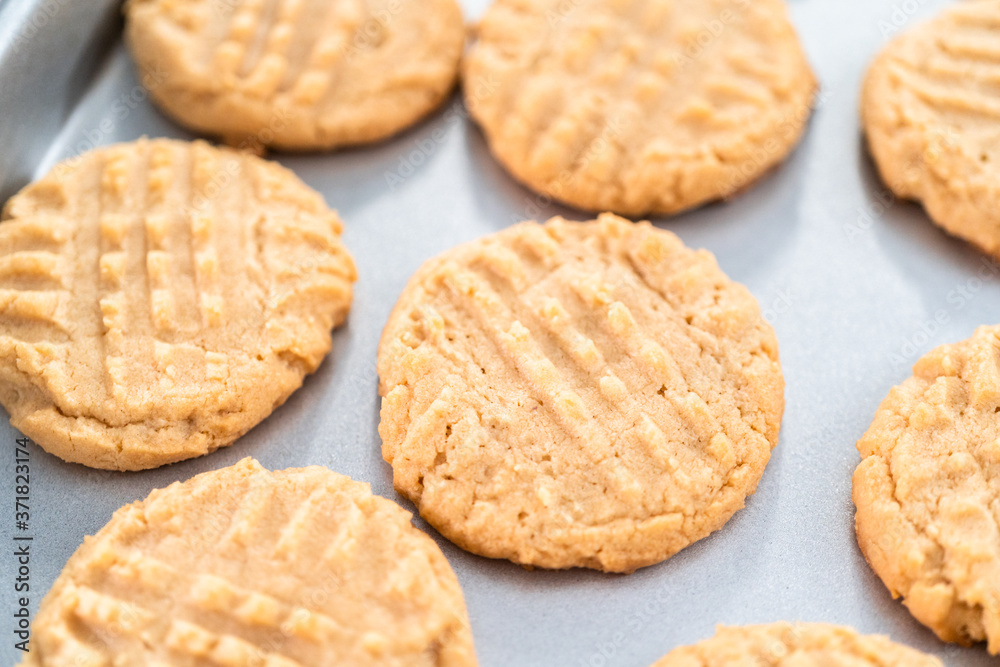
(160, 298)
(650, 109)
(296, 74)
(930, 109)
(578, 394)
(926, 490)
(242, 566)
(799, 644)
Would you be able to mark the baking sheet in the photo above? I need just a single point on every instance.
(856, 285)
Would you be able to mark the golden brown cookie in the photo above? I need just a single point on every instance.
(799, 644)
(578, 394)
(931, 111)
(653, 107)
(160, 298)
(244, 567)
(927, 487)
(297, 74)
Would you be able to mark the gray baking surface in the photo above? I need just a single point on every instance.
(856, 285)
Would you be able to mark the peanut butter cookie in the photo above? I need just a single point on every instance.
(799, 644)
(297, 74)
(648, 107)
(160, 298)
(931, 108)
(578, 394)
(241, 567)
(927, 487)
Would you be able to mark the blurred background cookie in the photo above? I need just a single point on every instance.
(160, 298)
(651, 108)
(578, 394)
(242, 566)
(799, 644)
(296, 74)
(931, 112)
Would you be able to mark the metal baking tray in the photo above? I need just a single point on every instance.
(856, 284)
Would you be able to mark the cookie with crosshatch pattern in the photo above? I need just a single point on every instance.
(931, 113)
(926, 490)
(799, 644)
(297, 74)
(578, 394)
(160, 298)
(243, 567)
(647, 107)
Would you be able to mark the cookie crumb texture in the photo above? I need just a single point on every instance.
(160, 298)
(297, 74)
(931, 111)
(644, 107)
(241, 566)
(926, 490)
(799, 644)
(578, 394)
